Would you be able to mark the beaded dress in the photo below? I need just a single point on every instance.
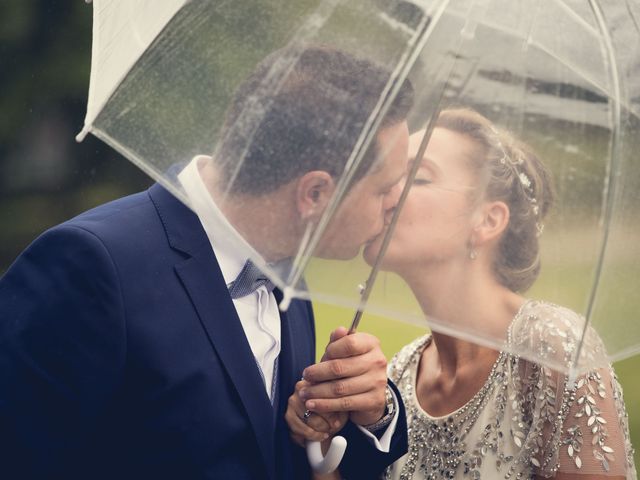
(527, 419)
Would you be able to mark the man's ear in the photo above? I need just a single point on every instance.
(314, 189)
(493, 221)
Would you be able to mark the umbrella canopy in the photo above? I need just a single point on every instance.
(122, 31)
(561, 75)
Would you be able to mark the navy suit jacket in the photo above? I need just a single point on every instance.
(122, 356)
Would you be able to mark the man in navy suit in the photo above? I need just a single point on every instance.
(131, 343)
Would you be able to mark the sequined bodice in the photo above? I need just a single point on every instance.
(526, 420)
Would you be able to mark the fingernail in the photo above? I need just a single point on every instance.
(304, 374)
(336, 424)
(310, 405)
(325, 436)
(303, 393)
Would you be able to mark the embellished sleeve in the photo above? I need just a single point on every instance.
(577, 426)
(595, 434)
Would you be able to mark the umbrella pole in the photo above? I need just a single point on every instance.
(467, 32)
(368, 285)
(338, 446)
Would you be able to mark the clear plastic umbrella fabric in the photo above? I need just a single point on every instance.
(244, 94)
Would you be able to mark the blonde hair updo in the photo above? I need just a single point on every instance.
(509, 171)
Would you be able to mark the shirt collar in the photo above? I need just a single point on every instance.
(231, 249)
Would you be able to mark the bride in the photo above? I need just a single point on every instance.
(467, 245)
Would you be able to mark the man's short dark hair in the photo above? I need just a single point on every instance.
(311, 122)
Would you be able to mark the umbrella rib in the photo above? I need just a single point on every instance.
(97, 110)
(624, 354)
(141, 164)
(610, 187)
(574, 14)
(576, 69)
(581, 73)
(398, 76)
(368, 286)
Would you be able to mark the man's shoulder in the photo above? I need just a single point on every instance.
(131, 217)
(131, 207)
(116, 225)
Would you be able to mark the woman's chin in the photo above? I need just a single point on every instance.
(370, 252)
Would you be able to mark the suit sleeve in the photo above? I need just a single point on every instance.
(362, 459)
(62, 350)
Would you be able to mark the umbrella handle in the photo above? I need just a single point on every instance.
(330, 462)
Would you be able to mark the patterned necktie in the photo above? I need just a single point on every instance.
(248, 281)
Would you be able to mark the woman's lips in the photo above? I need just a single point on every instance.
(378, 236)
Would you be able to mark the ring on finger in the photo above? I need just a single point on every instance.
(306, 415)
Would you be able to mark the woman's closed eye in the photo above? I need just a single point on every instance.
(420, 181)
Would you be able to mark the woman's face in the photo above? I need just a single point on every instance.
(436, 220)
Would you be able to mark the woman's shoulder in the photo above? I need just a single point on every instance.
(401, 360)
(551, 332)
(540, 315)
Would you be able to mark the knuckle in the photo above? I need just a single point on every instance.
(346, 403)
(381, 362)
(339, 388)
(319, 426)
(373, 340)
(374, 402)
(351, 344)
(337, 368)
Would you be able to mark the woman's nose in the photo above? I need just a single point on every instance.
(392, 198)
(388, 215)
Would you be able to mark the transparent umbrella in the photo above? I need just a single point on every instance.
(562, 75)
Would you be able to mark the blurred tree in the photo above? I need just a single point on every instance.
(45, 177)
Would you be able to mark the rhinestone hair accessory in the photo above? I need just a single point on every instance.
(516, 166)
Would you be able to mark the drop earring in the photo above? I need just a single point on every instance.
(473, 254)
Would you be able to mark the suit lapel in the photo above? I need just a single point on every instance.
(286, 383)
(286, 361)
(297, 351)
(202, 279)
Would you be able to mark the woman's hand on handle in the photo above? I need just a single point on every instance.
(316, 427)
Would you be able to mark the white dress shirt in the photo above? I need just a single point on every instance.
(258, 311)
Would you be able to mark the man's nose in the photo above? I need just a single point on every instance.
(392, 198)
